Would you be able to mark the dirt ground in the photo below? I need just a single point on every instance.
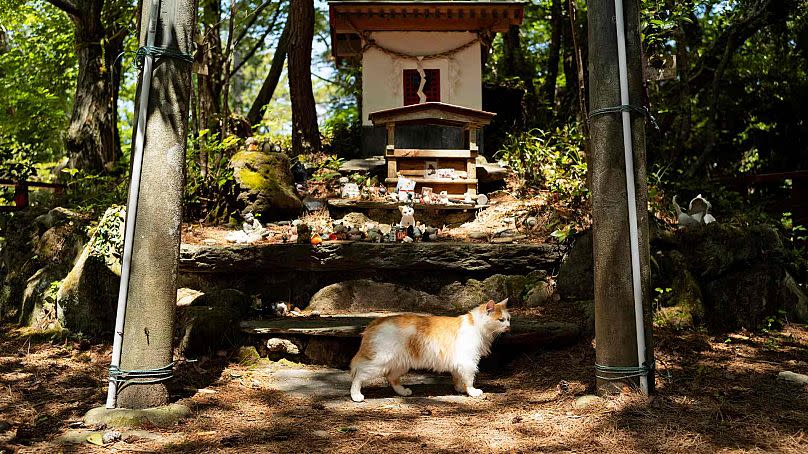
(715, 394)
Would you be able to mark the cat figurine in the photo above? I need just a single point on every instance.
(407, 216)
(698, 212)
(391, 346)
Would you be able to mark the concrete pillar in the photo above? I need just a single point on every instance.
(147, 338)
(615, 332)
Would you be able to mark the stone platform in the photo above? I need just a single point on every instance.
(296, 272)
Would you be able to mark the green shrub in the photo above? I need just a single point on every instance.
(551, 160)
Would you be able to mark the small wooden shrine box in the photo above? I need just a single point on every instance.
(453, 171)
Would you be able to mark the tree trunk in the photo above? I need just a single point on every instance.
(92, 139)
(569, 103)
(552, 58)
(271, 82)
(516, 66)
(209, 83)
(305, 134)
(583, 113)
(614, 296)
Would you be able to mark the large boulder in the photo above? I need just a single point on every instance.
(576, 278)
(365, 295)
(37, 251)
(87, 298)
(264, 185)
(726, 276)
(207, 321)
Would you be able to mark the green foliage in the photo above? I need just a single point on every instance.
(92, 193)
(322, 167)
(37, 80)
(210, 186)
(552, 160)
(108, 236)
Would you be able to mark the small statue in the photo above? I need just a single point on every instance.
(698, 212)
(444, 197)
(303, 233)
(407, 216)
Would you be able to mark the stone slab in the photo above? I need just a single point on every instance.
(165, 416)
(333, 385)
(374, 165)
(524, 332)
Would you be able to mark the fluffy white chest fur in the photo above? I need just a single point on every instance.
(393, 345)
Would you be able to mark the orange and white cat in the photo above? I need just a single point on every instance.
(391, 346)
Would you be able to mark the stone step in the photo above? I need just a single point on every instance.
(333, 340)
(443, 256)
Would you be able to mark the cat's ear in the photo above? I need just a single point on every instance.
(489, 306)
(503, 303)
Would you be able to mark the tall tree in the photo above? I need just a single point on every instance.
(271, 81)
(556, 23)
(209, 78)
(100, 28)
(305, 134)
(516, 65)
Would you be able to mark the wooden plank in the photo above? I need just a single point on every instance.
(432, 112)
(466, 181)
(391, 137)
(392, 168)
(472, 139)
(419, 153)
(347, 203)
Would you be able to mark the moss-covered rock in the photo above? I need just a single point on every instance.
(37, 248)
(265, 185)
(576, 278)
(87, 298)
(165, 416)
(725, 277)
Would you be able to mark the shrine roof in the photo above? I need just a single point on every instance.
(371, 15)
(433, 113)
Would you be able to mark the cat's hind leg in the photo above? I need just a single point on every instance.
(361, 372)
(394, 377)
(457, 381)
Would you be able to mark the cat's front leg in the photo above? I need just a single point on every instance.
(467, 377)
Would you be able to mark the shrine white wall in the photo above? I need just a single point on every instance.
(382, 74)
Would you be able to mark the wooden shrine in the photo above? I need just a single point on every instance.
(450, 170)
(415, 52)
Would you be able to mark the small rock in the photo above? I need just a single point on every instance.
(587, 401)
(793, 377)
(209, 241)
(482, 199)
(531, 221)
(538, 295)
(477, 235)
(186, 296)
(286, 346)
(321, 434)
(111, 436)
(502, 240)
(248, 356)
(283, 223)
(4, 426)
